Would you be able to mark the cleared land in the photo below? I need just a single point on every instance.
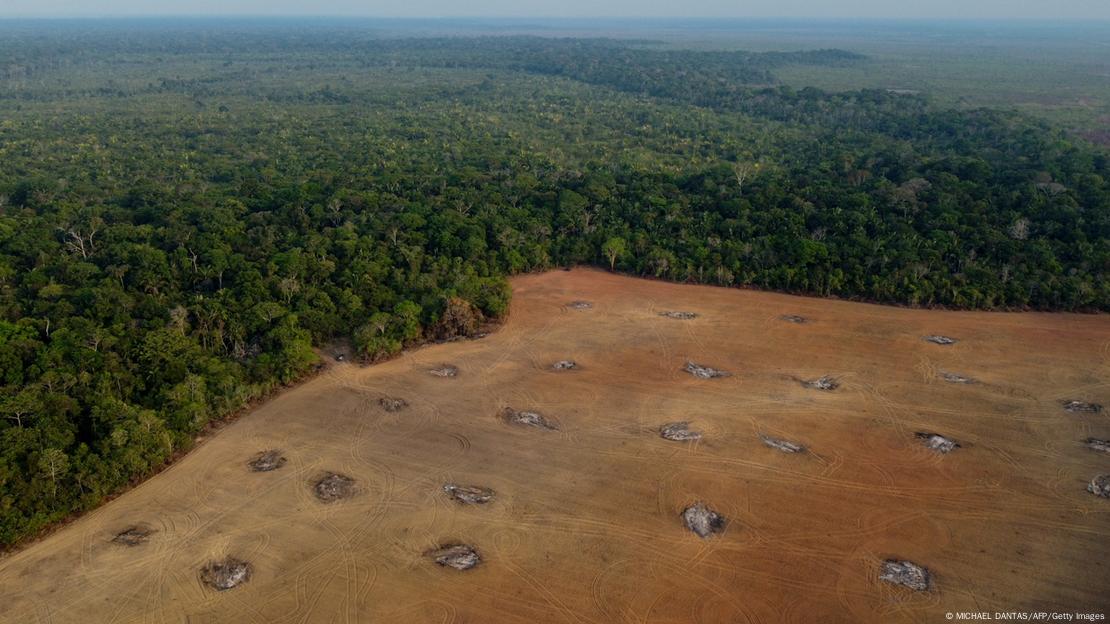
(585, 519)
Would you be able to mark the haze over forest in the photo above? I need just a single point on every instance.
(628, 9)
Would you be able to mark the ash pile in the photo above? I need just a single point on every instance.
(937, 442)
(906, 574)
(527, 418)
(679, 432)
(267, 461)
(456, 556)
(704, 372)
(332, 487)
(782, 445)
(226, 574)
(702, 520)
(468, 494)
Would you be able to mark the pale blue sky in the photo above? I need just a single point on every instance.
(974, 9)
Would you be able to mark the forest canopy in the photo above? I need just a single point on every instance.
(186, 211)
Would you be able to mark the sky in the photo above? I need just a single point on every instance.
(928, 9)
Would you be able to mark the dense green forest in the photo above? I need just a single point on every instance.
(185, 211)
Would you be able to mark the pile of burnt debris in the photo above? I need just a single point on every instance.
(133, 535)
(564, 365)
(906, 574)
(580, 305)
(793, 318)
(1096, 444)
(679, 432)
(456, 556)
(266, 461)
(782, 445)
(468, 494)
(937, 442)
(955, 378)
(331, 487)
(681, 316)
(1100, 486)
(704, 372)
(1076, 407)
(393, 404)
(702, 520)
(826, 383)
(445, 370)
(226, 574)
(527, 419)
(940, 340)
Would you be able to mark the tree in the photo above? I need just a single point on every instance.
(742, 171)
(19, 407)
(54, 464)
(614, 249)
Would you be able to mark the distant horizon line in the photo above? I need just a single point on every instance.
(656, 18)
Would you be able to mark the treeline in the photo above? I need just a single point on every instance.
(639, 66)
(170, 251)
(636, 67)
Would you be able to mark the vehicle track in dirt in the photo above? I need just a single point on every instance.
(586, 524)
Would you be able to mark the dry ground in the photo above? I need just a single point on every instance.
(585, 525)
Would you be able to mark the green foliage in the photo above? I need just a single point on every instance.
(614, 249)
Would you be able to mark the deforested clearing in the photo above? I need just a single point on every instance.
(588, 521)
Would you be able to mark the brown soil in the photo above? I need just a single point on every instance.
(587, 524)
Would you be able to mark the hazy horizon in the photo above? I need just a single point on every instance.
(541, 9)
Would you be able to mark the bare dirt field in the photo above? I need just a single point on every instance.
(518, 491)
